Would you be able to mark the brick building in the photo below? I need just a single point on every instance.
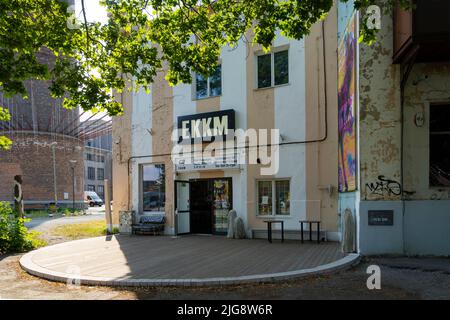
(45, 140)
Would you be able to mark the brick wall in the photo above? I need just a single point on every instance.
(31, 156)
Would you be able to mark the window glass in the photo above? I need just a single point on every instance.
(101, 191)
(201, 86)
(153, 187)
(264, 197)
(90, 188)
(282, 197)
(91, 173)
(215, 82)
(439, 146)
(281, 67)
(264, 71)
(100, 174)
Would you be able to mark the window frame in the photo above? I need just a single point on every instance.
(208, 87)
(94, 174)
(429, 105)
(274, 213)
(141, 191)
(272, 67)
(101, 194)
(103, 174)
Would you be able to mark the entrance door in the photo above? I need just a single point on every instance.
(201, 206)
(182, 208)
(222, 189)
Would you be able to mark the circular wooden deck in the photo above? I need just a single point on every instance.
(189, 260)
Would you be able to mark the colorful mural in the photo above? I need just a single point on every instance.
(347, 108)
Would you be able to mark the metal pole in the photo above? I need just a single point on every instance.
(73, 189)
(108, 215)
(54, 176)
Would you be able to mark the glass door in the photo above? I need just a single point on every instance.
(182, 208)
(222, 204)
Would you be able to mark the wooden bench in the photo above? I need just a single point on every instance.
(153, 224)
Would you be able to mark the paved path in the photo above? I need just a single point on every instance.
(44, 224)
(196, 260)
(401, 278)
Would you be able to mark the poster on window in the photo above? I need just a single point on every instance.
(347, 108)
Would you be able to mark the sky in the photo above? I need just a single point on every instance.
(94, 12)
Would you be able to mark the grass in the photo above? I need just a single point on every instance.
(45, 213)
(81, 230)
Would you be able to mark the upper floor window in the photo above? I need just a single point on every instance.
(209, 87)
(273, 69)
(439, 145)
(100, 174)
(90, 157)
(91, 173)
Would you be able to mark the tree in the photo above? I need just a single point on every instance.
(140, 35)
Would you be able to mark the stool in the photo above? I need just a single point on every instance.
(310, 229)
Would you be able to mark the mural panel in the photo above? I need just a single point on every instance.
(347, 108)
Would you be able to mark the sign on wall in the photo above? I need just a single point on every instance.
(205, 126)
(347, 108)
(381, 217)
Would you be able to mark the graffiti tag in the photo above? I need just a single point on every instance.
(384, 186)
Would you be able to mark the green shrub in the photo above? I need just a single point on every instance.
(14, 236)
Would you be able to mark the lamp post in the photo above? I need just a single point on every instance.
(72, 165)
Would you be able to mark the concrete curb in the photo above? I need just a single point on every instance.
(29, 266)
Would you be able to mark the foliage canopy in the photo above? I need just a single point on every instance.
(140, 37)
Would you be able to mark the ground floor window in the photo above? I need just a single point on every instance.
(273, 197)
(153, 187)
(440, 145)
(101, 191)
(90, 187)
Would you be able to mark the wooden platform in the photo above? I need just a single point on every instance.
(188, 257)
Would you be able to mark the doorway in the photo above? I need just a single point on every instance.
(201, 200)
(203, 205)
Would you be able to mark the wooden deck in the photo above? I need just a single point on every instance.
(187, 257)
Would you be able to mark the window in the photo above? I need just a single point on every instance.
(90, 187)
(209, 87)
(273, 69)
(100, 173)
(274, 205)
(264, 71)
(101, 191)
(153, 187)
(90, 157)
(439, 145)
(91, 173)
(101, 159)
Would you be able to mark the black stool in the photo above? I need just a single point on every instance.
(310, 229)
(269, 229)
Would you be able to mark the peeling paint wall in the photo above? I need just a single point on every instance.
(427, 83)
(380, 127)
(379, 118)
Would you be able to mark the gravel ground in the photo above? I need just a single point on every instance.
(401, 278)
